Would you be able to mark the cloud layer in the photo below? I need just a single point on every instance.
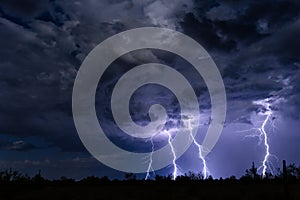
(254, 44)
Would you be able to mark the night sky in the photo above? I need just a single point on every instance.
(255, 45)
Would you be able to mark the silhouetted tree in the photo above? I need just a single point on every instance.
(210, 178)
(232, 178)
(38, 178)
(251, 173)
(284, 170)
(293, 172)
(290, 172)
(268, 176)
(160, 178)
(130, 176)
(11, 176)
(190, 176)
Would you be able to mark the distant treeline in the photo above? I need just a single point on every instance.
(290, 174)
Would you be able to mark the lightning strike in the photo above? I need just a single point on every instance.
(200, 150)
(266, 145)
(263, 134)
(189, 125)
(150, 160)
(175, 170)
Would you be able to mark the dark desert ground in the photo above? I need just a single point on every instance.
(284, 185)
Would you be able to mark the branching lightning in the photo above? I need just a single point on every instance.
(175, 169)
(200, 149)
(189, 126)
(261, 130)
(150, 160)
(263, 134)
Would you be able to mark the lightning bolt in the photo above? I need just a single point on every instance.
(205, 170)
(267, 146)
(175, 169)
(150, 160)
(268, 113)
(263, 134)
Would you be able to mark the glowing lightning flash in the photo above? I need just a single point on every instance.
(150, 160)
(263, 135)
(175, 170)
(200, 150)
(205, 170)
(268, 113)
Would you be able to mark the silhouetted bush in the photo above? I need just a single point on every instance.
(130, 177)
(290, 173)
(190, 176)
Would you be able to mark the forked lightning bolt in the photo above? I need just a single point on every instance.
(150, 160)
(205, 170)
(175, 169)
(268, 113)
(200, 150)
(263, 134)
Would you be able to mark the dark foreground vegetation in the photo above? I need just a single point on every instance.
(284, 185)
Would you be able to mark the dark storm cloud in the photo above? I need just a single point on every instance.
(204, 32)
(259, 41)
(38, 66)
(283, 44)
(21, 12)
(57, 37)
(37, 71)
(249, 22)
(254, 44)
(19, 145)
